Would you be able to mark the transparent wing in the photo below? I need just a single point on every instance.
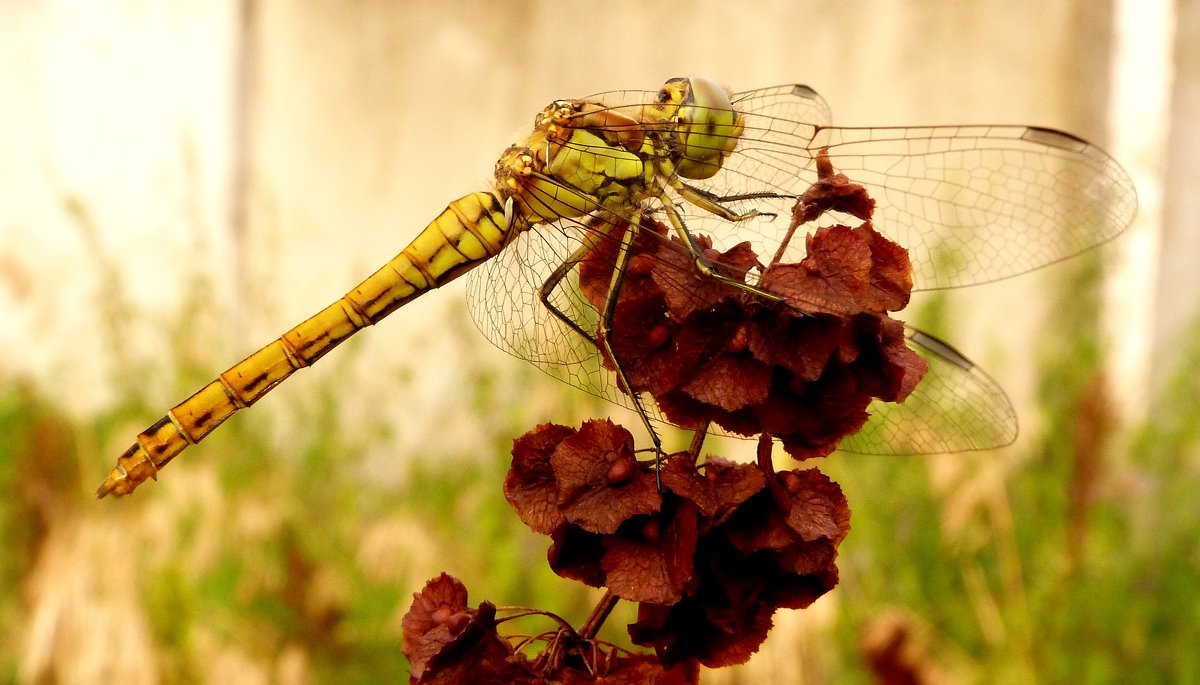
(955, 408)
(790, 102)
(972, 204)
(505, 301)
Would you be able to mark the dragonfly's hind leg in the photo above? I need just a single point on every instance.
(606, 318)
(606, 323)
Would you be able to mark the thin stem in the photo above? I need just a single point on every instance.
(824, 172)
(787, 239)
(698, 441)
(599, 614)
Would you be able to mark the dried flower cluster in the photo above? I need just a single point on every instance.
(449, 643)
(721, 546)
(803, 369)
(709, 560)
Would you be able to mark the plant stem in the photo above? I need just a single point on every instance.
(599, 614)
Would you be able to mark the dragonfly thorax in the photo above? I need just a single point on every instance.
(580, 157)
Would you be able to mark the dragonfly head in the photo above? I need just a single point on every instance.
(706, 125)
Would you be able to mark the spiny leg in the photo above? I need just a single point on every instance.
(606, 322)
(606, 316)
(557, 277)
(703, 264)
(719, 200)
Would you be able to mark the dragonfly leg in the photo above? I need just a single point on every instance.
(715, 203)
(610, 306)
(606, 322)
(556, 277)
(703, 264)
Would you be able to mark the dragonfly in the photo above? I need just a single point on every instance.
(972, 204)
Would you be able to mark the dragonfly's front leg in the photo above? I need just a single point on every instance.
(606, 323)
(705, 266)
(714, 203)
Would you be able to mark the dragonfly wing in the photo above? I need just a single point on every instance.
(956, 407)
(504, 295)
(972, 204)
(793, 102)
(505, 302)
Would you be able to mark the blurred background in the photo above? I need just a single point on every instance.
(182, 182)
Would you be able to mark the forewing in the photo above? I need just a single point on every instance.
(972, 204)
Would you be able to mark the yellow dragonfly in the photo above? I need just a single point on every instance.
(972, 204)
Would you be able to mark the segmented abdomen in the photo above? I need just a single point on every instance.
(470, 230)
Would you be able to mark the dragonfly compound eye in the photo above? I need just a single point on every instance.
(674, 91)
(708, 129)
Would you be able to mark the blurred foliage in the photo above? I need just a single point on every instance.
(1073, 558)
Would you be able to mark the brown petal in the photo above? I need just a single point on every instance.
(530, 486)
(588, 494)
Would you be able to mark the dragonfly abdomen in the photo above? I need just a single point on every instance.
(469, 231)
